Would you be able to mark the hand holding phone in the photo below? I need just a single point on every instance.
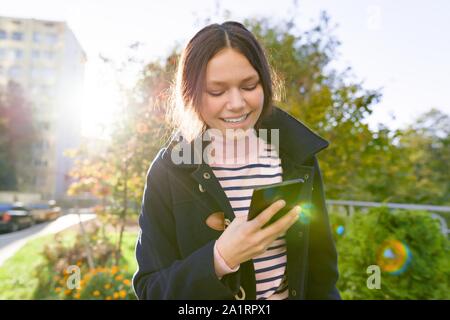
(263, 197)
(243, 240)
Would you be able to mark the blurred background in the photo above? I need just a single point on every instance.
(84, 86)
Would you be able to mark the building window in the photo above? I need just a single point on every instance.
(36, 37)
(15, 72)
(52, 38)
(18, 36)
(35, 54)
(49, 55)
(35, 72)
(3, 53)
(3, 34)
(18, 54)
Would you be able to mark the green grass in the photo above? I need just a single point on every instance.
(18, 278)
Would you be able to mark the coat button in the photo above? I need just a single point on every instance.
(293, 292)
(206, 175)
(200, 187)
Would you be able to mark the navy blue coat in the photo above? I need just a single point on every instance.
(174, 250)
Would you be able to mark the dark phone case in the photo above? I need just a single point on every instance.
(290, 191)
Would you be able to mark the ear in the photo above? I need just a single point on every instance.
(216, 221)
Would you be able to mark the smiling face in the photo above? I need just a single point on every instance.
(233, 97)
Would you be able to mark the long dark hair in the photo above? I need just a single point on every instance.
(190, 80)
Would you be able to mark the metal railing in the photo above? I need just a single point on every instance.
(350, 205)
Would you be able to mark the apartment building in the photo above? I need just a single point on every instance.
(47, 61)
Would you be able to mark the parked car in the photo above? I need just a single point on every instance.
(14, 216)
(45, 211)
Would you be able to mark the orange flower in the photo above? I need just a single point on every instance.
(119, 277)
(116, 295)
(76, 295)
(108, 298)
(126, 282)
(67, 292)
(96, 293)
(114, 270)
(107, 286)
(58, 289)
(122, 293)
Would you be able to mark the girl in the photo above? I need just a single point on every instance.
(195, 240)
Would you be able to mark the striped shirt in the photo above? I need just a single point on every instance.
(238, 180)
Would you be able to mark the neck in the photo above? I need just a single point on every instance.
(234, 147)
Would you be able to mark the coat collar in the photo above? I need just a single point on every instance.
(296, 141)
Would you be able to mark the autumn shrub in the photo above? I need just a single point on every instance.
(82, 269)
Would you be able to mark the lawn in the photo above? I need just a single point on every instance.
(18, 278)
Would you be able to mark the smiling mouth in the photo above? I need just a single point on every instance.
(236, 120)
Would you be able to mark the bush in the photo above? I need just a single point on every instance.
(101, 283)
(407, 246)
(105, 281)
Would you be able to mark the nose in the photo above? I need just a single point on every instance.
(236, 100)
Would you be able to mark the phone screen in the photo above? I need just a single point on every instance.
(263, 197)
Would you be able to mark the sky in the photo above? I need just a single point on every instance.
(400, 47)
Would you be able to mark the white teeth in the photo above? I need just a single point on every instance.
(236, 119)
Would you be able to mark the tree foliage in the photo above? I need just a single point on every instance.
(17, 133)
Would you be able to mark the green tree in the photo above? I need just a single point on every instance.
(361, 163)
(425, 146)
(17, 134)
(326, 100)
(138, 133)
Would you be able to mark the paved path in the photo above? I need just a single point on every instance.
(11, 242)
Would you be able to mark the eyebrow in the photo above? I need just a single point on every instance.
(255, 76)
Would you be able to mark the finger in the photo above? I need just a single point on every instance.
(283, 224)
(268, 213)
(237, 221)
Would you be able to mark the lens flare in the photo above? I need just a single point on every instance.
(338, 229)
(305, 214)
(393, 257)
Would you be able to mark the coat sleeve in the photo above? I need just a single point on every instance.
(162, 273)
(322, 258)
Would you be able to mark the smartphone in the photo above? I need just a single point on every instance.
(290, 191)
